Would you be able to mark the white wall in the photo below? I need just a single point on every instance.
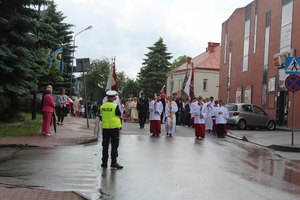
(212, 83)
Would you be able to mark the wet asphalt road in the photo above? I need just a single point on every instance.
(157, 168)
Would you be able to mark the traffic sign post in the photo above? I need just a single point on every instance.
(292, 83)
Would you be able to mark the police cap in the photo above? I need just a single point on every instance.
(111, 93)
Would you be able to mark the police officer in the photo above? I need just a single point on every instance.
(111, 124)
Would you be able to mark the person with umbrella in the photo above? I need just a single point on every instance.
(47, 110)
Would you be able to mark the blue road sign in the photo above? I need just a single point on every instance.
(292, 65)
(292, 83)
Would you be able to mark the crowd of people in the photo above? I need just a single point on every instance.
(204, 115)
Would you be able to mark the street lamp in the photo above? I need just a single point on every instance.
(71, 83)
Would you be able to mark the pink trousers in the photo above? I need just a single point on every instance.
(47, 116)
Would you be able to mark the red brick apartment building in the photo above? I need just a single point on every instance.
(255, 41)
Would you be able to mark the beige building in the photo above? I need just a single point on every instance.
(206, 73)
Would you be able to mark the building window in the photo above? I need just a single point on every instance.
(255, 27)
(286, 25)
(204, 84)
(225, 42)
(229, 64)
(246, 38)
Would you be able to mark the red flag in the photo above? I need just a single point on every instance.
(192, 94)
(112, 81)
(163, 93)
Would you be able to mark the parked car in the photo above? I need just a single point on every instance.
(244, 115)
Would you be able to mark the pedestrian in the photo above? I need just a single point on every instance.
(127, 109)
(210, 110)
(95, 109)
(78, 105)
(171, 109)
(61, 107)
(44, 93)
(194, 102)
(200, 114)
(216, 105)
(134, 114)
(87, 108)
(142, 109)
(187, 114)
(111, 125)
(155, 110)
(178, 106)
(163, 101)
(47, 110)
(181, 111)
(225, 125)
(221, 119)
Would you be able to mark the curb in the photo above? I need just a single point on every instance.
(16, 146)
(284, 148)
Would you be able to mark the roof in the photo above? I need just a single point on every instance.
(209, 60)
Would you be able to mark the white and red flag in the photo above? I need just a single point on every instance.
(163, 93)
(112, 81)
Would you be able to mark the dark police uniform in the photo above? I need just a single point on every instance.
(111, 124)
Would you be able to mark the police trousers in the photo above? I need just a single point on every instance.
(110, 135)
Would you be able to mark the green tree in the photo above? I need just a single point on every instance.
(178, 62)
(122, 81)
(152, 75)
(96, 79)
(59, 36)
(131, 89)
(20, 57)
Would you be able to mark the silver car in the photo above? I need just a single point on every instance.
(243, 115)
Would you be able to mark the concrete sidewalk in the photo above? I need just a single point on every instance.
(74, 131)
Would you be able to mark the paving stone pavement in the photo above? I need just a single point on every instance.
(73, 131)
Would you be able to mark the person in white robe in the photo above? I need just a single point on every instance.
(170, 114)
(200, 112)
(210, 112)
(221, 114)
(155, 109)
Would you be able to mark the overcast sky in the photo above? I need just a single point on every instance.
(125, 28)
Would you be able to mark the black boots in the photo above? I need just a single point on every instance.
(104, 165)
(116, 165)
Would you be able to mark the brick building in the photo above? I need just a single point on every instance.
(255, 41)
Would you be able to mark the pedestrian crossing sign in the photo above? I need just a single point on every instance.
(292, 65)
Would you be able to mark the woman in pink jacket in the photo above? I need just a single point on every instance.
(47, 111)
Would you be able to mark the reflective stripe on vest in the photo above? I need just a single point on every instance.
(109, 118)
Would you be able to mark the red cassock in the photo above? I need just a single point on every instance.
(155, 126)
(199, 130)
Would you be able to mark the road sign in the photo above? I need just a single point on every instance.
(292, 83)
(292, 65)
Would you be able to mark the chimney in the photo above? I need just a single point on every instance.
(211, 46)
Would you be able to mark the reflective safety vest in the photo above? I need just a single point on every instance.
(109, 118)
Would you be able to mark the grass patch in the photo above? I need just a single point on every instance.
(25, 128)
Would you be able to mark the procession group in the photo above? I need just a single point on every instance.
(204, 115)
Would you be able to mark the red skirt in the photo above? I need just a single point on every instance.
(199, 130)
(155, 126)
(214, 125)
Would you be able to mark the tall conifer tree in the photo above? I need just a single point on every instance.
(60, 37)
(20, 57)
(152, 76)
